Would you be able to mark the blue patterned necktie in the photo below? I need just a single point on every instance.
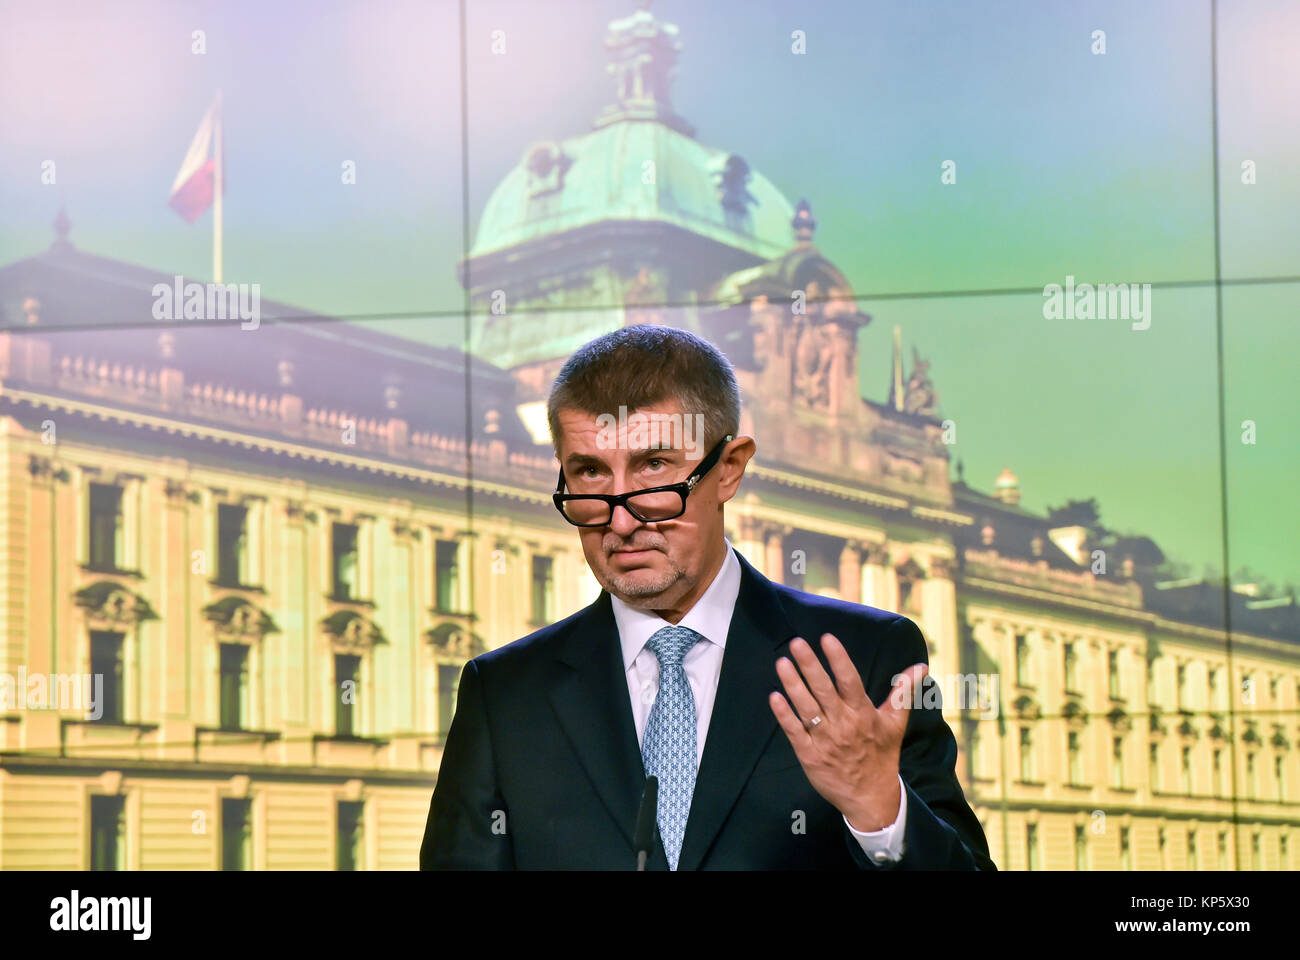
(668, 746)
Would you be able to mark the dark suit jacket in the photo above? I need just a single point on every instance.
(542, 769)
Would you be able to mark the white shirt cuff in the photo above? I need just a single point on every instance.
(886, 843)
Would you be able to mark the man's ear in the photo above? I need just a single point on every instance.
(731, 466)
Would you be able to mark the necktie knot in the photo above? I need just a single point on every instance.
(670, 644)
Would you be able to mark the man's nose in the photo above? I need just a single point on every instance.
(622, 522)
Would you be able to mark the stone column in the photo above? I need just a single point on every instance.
(774, 554)
(851, 571)
(875, 582)
(939, 611)
(749, 540)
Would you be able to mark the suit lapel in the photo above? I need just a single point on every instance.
(590, 697)
(742, 721)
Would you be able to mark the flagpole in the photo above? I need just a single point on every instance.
(218, 187)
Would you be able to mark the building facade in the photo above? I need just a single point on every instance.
(276, 548)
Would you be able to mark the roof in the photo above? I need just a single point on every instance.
(606, 175)
(101, 311)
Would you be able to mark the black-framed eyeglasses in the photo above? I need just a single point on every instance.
(650, 505)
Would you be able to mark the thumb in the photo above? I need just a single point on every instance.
(904, 694)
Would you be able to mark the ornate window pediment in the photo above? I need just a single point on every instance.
(111, 606)
(1027, 707)
(1120, 720)
(352, 632)
(452, 640)
(1073, 712)
(236, 619)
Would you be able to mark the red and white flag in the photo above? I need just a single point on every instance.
(193, 190)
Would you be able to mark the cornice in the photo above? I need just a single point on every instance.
(272, 445)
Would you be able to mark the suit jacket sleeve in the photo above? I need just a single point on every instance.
(941, 831)
(468, 826)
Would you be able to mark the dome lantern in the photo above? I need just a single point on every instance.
(642, 57)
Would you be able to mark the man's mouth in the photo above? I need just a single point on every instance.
(633, 552)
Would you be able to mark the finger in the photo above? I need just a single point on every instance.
(794, 730)
(804, 702)
(898, 703)
(847, 680)
(819, 682)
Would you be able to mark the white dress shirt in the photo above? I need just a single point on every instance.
(711, 618)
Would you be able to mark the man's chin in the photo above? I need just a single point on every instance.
(638, 587)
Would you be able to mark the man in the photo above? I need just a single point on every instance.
(682, 667)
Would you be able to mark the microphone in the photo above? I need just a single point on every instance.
(644, 837)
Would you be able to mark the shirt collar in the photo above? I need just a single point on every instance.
(710, 617)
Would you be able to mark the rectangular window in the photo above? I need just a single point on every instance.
(1254, 851)
(543, 589)
(1218, 773)
(1031, 845)
(1193, 862)
(448, 681)
(236, 834)
(1026, 754)
(1187, 770)
(351, 837)
(1112, 673)
(1155, 766)
(1076, 765)
(345, 561)
(447, 576)
(232, 544)
(347, 687)
(107, 833)
(1125, 849)
(1117, 761)
(1251, 787)
(1080, 849)
(106, 661)
(1022, 660)
(1223, 850)
(105, 526)
(1071, 668)
(1279, 771)
(234, 686)
(1182, 685)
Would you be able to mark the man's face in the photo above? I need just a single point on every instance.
(652, 566)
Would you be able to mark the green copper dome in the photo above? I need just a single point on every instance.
(641, 170)
(640, 163)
